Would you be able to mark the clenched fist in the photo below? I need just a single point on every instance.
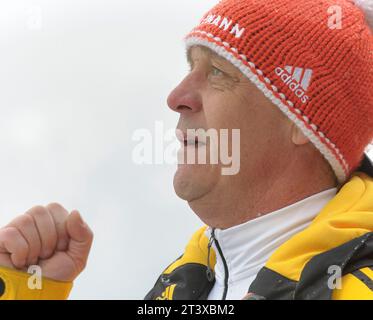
(50, 237)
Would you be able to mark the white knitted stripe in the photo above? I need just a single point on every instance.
(312, 134)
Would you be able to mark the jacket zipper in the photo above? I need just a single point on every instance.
(210, 272)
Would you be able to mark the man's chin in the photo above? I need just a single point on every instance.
(190, 182)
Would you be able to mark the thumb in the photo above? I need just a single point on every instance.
(81, 238)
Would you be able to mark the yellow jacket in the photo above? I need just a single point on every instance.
(341, 237)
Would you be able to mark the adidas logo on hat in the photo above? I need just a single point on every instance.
(297, 79)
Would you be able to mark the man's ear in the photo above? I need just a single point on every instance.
(297, 136)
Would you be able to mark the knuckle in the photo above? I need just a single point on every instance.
(12, 234)
(9, 233)
(25, 221)
(55, 206)
(46, 254)
(47, 249)
(37, 211)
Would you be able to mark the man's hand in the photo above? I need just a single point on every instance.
(50, 237)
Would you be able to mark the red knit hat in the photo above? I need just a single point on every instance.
(321, 78)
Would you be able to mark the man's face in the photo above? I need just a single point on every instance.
(217, 95)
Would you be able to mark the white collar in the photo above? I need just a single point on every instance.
(248, 246)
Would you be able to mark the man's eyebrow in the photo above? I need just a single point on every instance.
(212, 56)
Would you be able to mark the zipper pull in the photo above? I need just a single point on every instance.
(209, 272)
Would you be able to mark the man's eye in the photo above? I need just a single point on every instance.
(216, 72)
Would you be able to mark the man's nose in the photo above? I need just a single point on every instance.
(186, 97)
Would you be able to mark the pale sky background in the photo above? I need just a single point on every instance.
(77, 77)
